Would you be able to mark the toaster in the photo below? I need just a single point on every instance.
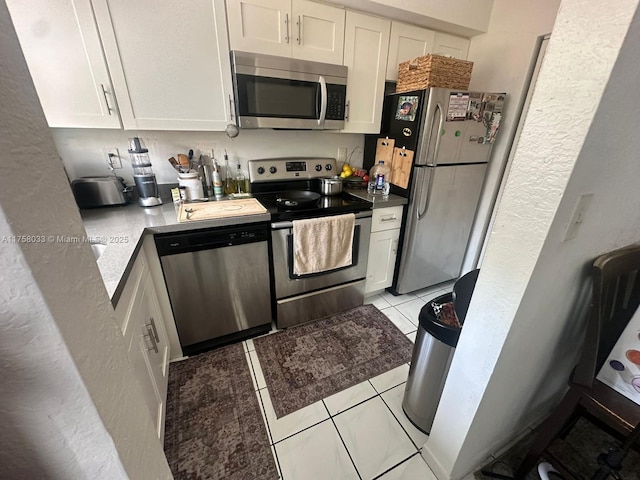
(91, 192)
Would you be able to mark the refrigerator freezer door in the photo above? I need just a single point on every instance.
(474, 147)
(440, 137)
(439, 219)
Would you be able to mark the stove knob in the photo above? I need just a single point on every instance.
(318, 167)
(260, 170)
(273, 169)
(328, 166)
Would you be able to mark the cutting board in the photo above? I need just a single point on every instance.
(384, 151)
(220, 209)
(401, 167)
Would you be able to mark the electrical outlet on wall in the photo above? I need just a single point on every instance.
(112, 156)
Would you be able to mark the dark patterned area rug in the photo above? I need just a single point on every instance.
(307, 363)
(578, 452)
(214, 428)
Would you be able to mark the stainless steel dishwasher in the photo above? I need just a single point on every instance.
(218, 282)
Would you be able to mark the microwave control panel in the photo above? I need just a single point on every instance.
(336, 99)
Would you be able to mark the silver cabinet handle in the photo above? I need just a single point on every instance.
(299, 31)
(106, 100)
(388, 219)
(155, 330)
(149, 335)
(346, 111)
(286, 24)
(231, 110)
(323, 100)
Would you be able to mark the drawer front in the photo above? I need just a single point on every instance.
(386, 218)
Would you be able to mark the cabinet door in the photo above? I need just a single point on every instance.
(317, 32)
(366, 44)
(157, 350)
(149, 351)
(260, 26)
(140, 348)
(169, 62)
(406, 43)
(61, 44)
(383, 249)
(445, 44)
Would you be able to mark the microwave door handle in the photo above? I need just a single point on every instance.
(323, 100)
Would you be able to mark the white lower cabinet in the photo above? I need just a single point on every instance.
(383, 248)
(144, 333)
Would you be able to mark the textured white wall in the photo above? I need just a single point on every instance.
(70, 405)
(524, 325)
(81, 149)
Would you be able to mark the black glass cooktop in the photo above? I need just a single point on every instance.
(325, 205)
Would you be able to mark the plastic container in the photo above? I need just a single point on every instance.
(379, 179)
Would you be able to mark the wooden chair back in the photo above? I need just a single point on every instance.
(615, 298)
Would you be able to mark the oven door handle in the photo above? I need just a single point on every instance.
(323, 100)
(283, 225)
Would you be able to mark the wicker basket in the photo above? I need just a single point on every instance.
(433, 71)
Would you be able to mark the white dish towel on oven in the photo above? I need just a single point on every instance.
(321, 244)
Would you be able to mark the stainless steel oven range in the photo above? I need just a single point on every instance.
(289, 188)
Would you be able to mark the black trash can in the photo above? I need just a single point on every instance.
(432, 354)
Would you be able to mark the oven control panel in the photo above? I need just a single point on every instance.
(295, 168)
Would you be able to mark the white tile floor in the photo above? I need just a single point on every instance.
(360, 433)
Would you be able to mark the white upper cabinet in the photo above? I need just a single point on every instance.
(169, 62)
(317, 32)
(445, 44)
(406, 43)
(61, 44)
(365, 54)
(287, 28)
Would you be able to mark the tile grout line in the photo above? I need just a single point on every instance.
(400, 423)
(396, 465)
(342, 440)
(266, 421)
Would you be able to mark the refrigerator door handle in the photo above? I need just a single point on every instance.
(421, 212)
(436, 149)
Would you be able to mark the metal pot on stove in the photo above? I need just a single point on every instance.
(331, 186)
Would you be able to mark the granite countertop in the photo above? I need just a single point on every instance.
(379, 201)
(122, 229)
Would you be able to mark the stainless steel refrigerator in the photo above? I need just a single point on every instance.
(451, 133)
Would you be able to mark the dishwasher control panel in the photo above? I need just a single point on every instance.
(174, 243)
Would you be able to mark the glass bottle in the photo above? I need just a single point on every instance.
(229, 181)
(241, 181)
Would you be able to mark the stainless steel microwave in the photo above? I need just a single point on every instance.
(279, 92)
